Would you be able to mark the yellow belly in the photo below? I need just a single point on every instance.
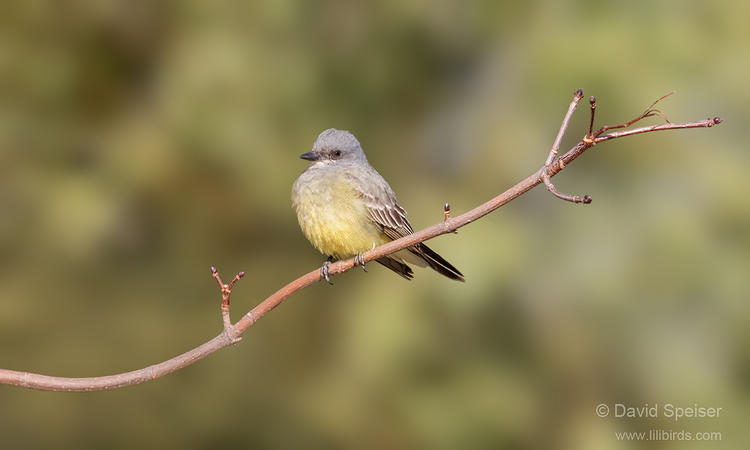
(334, 217)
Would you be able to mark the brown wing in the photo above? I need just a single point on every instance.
(385, 211)
(381, 203)
(390, 216)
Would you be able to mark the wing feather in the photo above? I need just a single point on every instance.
(388, 214)
(381, 203)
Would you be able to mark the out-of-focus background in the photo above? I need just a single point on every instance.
(142, 142)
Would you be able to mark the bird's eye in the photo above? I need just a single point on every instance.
(336, 153)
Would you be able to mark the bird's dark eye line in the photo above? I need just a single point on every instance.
(337, 153)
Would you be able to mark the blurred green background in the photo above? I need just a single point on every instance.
(142, 142)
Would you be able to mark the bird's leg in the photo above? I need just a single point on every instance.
(324, 270)
(359, 260)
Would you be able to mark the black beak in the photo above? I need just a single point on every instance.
(310, 156)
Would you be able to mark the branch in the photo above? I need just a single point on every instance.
(232, 333)
(546, 170)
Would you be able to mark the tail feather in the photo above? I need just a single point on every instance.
(437, 262)
(396, 266)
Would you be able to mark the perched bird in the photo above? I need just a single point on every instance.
(346, 208)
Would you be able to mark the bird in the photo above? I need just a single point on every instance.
(345, 208)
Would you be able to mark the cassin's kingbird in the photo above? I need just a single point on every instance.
(346, 208)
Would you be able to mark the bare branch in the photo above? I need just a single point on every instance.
(707, 123)
(556, 146)
(648, 112)
(447, 214)
(586, 199)
(226, 292)
(232, 333)
(592, 102)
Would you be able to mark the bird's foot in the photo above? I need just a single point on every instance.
(325, 271)
(359, 260)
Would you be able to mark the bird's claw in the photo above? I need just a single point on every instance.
(325, 271)
(359, 260)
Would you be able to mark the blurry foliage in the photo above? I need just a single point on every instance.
(141, 142)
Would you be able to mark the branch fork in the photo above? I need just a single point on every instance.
(555, 164)
(226, 292)
(549, 169)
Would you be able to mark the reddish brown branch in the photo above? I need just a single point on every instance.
(226, 292)
(563, 127)
(447, 214)
(556, 146)
(648, 112)
(592, 102)
(232, 333)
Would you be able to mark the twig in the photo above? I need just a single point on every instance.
(545, 176)
(650, 111)
(226, 292)
(231, 333)
(558, 139)
(592, 102)
(708, 123)
(447, 214)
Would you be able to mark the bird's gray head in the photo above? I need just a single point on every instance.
(336, 147)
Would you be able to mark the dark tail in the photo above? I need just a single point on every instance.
(437, 262)
(398, 267)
